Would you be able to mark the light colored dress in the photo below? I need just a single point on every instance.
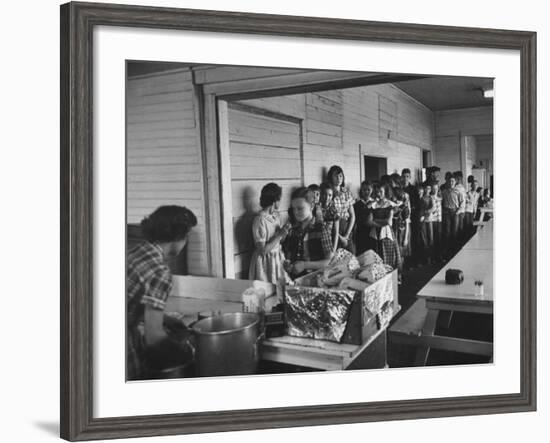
(266, 266)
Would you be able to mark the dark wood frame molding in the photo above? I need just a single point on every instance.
(77, 23)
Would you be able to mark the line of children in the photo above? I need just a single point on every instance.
(452, 216)
(400, 221)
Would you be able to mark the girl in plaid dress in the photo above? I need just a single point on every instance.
(380, 220)
(330, 214)
(343, 202)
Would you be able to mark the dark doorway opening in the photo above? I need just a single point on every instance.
(426, 158)
(375, 167)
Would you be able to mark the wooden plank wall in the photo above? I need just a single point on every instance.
(468, 121)
(447, 153)
(322, 115)
(342, 126)
(323, 138)
(291, 105)
(484, 156)
(338, 127)
(450, 125)
(164, 163)
(383, 121)
(471, 154)
(262, 148)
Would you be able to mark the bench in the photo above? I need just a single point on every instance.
(410, 324)
(416, 327)
(407, 330)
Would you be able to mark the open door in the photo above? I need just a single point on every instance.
(375, 167)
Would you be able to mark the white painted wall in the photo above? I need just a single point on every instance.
(164, 165)
(262, 149)
(471, 154)
(468, 121)
(342, 126)
(474, 126)
(383, 121)
(338, 127)
(484, 156)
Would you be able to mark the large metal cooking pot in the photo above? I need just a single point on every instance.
(227, 344)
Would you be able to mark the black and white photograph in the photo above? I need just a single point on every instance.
(283, 220)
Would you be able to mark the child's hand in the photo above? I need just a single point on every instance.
(287, 265)
(299, 267)
(344, 240)
(285, 229)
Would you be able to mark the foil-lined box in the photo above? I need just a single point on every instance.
(340, 315)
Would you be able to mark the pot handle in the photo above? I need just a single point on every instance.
(193, 350)
(255, 348)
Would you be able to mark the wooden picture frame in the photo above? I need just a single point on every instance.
(77, 23)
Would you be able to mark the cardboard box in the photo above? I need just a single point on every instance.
(370, 311)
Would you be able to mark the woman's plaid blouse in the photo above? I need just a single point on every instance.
(149, 280)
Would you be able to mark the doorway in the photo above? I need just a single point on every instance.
(426, 158)
(375, 167)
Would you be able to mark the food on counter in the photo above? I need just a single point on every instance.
(333, 275)
(321, 304)
(353, 283)
(373, 272)
(345, 257)
(317, 313)
(344, 267)
(368, 258)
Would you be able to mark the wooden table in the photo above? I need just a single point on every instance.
(326, 355)
(482, 211)
(483, 238)
(476, 262)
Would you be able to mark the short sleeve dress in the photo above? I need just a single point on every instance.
(267, 266)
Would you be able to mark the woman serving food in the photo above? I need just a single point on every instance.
(149, 283)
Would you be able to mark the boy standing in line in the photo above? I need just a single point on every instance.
(451, 201)
(460, 188)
